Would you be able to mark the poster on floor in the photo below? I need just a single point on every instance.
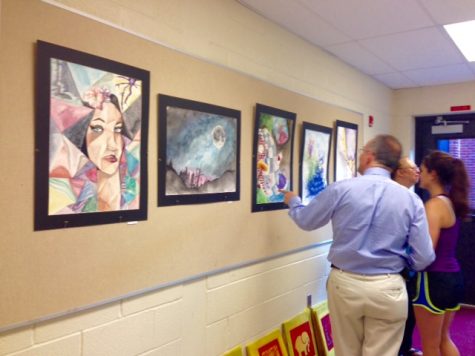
(270, 344)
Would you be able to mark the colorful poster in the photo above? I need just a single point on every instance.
(273, 150)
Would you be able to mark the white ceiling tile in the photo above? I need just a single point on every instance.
(440, 75)
(370, 18)
(395, 80)
(298, 20)
(415, 49)
(360, 58)
(449, 11)
(382, 38)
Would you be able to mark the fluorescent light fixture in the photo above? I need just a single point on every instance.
(463, 34)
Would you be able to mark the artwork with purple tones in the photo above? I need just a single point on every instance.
(91, 136)
(199, 152)
(346, 143)
(272, 157)
(314, 160)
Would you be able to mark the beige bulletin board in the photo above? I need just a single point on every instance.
(53, 272)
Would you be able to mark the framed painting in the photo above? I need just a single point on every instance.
(314, 160)
(91, 139)
(199, 148)
(299, 335)
(323, 329)
(346, 143)
(271, 344)
(272, 157)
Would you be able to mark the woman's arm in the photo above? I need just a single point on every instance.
(434, 218)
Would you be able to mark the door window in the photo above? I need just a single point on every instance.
(464, 149)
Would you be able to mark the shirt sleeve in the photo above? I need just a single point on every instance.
(314, 215)
(421, 251)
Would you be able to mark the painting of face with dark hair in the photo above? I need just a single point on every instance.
(95, 137)
(93, 153)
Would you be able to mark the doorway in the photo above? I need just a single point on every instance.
(453, 133)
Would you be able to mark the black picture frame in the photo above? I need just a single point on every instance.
(314, 164)
(72, 88)
(272, 158)
(199, 152)
(345, 150)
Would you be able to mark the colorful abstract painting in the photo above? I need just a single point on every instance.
(199, 152)
(91, 139)
(299, 336)
(271, 344)
(272, 157)
(315, 157)
(346, 143)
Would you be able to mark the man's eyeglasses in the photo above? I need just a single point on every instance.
(414, 168)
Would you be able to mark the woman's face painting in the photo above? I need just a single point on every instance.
(104, 138)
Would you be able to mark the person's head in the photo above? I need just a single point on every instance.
(442, 172)
(382, 151)
(406, 173)
(104, 143)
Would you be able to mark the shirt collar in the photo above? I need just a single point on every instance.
(377, 171)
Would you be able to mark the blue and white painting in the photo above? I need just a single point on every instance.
(201, 152)
(315, 155)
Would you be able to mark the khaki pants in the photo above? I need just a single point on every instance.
(367, 313)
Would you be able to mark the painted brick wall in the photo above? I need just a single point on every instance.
(204, 317)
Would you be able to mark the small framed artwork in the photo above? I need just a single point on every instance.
(299, 335)
(199, 150)
(323, 328)
(91, 139)
(346, 143)
(272, 157)
(270, 344)
(314, 160)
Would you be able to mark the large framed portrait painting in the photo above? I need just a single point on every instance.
(91, 138)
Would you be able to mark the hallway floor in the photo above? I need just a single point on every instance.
(463, 332)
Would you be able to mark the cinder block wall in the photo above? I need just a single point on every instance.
(206, 316)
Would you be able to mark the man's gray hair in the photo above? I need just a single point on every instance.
(387, 150)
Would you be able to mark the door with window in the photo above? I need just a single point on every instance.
(454, 134)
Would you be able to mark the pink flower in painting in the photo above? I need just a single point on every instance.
(283, 136)
(96, 97)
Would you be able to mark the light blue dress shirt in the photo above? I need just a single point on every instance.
(379, 226)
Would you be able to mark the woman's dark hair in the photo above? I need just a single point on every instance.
(453, 176)
(115, 101)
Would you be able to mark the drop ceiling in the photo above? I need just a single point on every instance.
(400, 43)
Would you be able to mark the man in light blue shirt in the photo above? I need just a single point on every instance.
(379, 227)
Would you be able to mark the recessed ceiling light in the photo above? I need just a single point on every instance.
(463, 34)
